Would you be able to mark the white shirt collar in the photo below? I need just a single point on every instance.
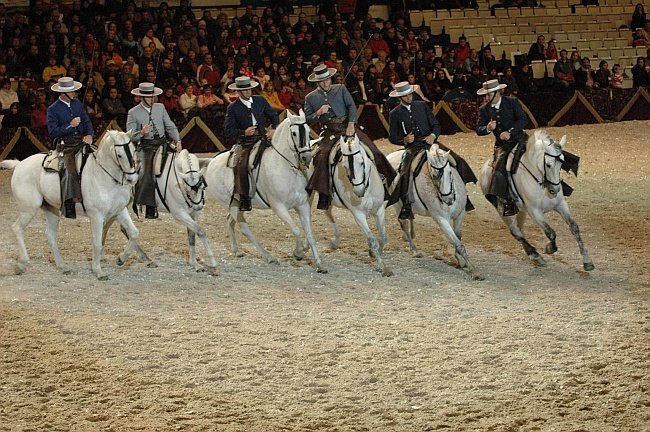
(145, 107)
(67, 103)
(247, 103)
(498, 104)
(408, 107)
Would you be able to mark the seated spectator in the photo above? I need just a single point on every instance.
(584, 77)
(170, 102)
(638, 17)
(188, 101)
(525, 81)
(639, 38)
(508, 78)
(271, 96)
(7, 95)
(617, 78)
(471, 60)
(640, 73)
(53, 70)
(208, 71)
(380, 91)
(551, 51)
(14, 118)
(537, 50)
(208, 101)
(575, 60)
(299, 94)
(38, 116)
(261, 77)
(474, 80)
(450, 62)
(286, 94)
(91, 106)
(603, 74)
(112, 105)
(462, 50)
(358, 89)
(563, 71)
(486, 59)
(443, 82)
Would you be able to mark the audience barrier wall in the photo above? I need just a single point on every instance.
(202, 135)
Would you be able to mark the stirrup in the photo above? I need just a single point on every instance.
(510, 208)
(405, 213)
(245, 204)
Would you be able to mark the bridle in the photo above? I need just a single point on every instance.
(298, 148)
(545, 181)
(198, 188)
(437, 174)
(129, 157)
(365, 180)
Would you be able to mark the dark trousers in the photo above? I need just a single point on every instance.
(70, 180)
(320, 179)
(499, 187)
(145, 188)
(240, 170)
(405, 170)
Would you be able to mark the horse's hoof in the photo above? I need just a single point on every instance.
(550, 248)
(119, 261)
(298, 257)
(19, 268)
(152, 264)
(588, 266)
(537, 259)
(102, 276)
(387, 272)
(212, 271)
(418, 254)
(321, 270)
(239, 254)
(334, 245)
(199, 268)
(477, 277)
(67, 271)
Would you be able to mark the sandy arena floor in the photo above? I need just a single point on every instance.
(265, 347)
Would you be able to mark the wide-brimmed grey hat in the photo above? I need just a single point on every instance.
(65, 85)
(321, 73)
(147, 89)
(243, 83)
(402, 89)
(491, 86)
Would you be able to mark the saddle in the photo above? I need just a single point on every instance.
(160, 158)
(254, 158)
(53, 161)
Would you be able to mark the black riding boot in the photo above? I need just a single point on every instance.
(406, 212)
(245, 203)
(69, 210)
(323, 201)
(151, 212)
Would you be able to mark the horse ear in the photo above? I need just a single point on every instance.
(301, 113)
(435, 148)
(563, 141)
(130, 133)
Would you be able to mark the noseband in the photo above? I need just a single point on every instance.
(436, 176)
(351, 172)
(129, 158)
(199, 186)
(545, 180)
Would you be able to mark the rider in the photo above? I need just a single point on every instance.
(152, 122)
(246, 120)
(67, 120)
(413, 125)
(334, 108)
(504, 117)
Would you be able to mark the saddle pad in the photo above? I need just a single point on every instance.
(158, 161)
(255, 155)
(51, 161)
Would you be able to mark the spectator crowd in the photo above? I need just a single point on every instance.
(112, 48)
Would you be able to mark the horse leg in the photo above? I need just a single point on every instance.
(563, 210)
(407, 232)
(283, 214)
(335, 241)
(107, 226)
(132, 234)
(511, 222)
(538, 218)
(194, 229)
(304, 212)
(18, 227)
(381, 227)
(52, 231)
(245, 229)
(96, 231)
(234, 245)
(453, 236)
(362, 221)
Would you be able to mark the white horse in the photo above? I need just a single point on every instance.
(356, 185)
(106, 183)
(180, 190)
(280, 178)
(537, 185)
(438, 191)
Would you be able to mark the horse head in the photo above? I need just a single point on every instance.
(551, 162)
(190, 179)
(299, 130)
(120, 148)
(354, 161)
(441, 174)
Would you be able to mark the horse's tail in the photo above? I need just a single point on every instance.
(9, 164)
